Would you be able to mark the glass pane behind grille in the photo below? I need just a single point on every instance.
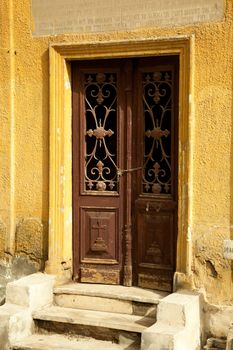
(157, 109)
(100, 93)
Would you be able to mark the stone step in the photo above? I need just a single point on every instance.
(124, 322)
(60, 342)
(117, 299)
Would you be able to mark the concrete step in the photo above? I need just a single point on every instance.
(130, 323)
(117, 299)
(61, 342)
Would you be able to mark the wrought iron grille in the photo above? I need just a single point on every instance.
(101, 132)
(157, 109)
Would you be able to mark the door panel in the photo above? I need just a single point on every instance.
(99, 242)
(155, 201)
(155, 249)
(125, 131)
(98, 144)
(100, 234)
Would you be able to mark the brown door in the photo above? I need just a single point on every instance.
(125, 171)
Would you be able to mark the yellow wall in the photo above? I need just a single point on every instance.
(24, 139)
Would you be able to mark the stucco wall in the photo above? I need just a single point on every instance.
(24, 140)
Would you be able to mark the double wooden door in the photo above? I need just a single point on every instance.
(125, 141)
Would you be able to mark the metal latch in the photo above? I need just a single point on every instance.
(121, 172)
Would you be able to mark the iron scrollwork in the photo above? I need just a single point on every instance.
(101, 132)
(157, 105)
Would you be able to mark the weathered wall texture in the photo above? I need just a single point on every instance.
(30, 252)
(24, 141)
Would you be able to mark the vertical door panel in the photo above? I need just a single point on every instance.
(155, 201)
(97, 155)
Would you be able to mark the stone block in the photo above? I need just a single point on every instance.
(16, 323)
(13, 269)
(164, 337)
(33, 291)
(217, 319)
(179, 309)
(160, 337)
(178, 324)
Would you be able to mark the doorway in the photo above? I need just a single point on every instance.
(125, 171)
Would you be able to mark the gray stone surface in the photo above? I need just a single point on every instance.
(112, 292)
(33, 291)
(76, 16)
(17, 322)
(87, 302)
(130, 323)
(22, 297)
(178, 324)
(217, 319)
(12, 269)
(59, 342)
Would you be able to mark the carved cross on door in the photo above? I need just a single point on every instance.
(99, 244)
(99, 227)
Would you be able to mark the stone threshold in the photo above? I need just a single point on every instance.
(112, 292)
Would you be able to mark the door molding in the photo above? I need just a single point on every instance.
(60, 170)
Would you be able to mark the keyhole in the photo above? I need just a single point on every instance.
(147, 207)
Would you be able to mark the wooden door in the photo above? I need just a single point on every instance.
(99, 124)
(125, 171)
(156, 148)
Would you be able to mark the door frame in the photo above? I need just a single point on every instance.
(60, 260)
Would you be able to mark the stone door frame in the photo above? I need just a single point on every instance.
(60, 171)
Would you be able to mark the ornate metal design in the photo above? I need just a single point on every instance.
(157, 133)
(100, 95)
(157, 106)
